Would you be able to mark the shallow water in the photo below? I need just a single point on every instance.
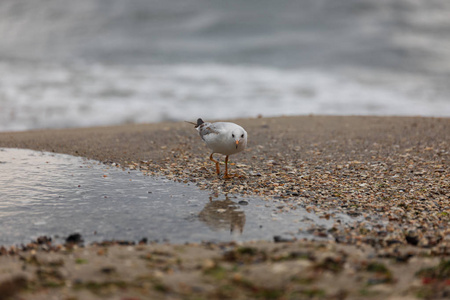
(57, 195)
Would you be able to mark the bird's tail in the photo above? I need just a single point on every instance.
(199, 122)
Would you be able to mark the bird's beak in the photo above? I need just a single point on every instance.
(237, 143)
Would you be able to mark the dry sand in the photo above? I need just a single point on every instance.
(391, 170)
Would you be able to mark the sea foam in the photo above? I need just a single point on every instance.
(50, 95)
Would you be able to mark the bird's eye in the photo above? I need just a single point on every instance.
(232, 134)
(242, 136)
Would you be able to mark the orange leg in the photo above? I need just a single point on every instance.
(217, 163)
(226, 168)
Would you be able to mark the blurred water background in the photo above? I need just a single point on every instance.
(78, 63)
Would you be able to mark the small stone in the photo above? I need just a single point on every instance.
(280, 239)
(108, 270)
(208, 264)
(74, 238)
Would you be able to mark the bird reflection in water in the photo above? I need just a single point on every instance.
(223, 215)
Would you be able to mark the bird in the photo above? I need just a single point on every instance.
(222, 137)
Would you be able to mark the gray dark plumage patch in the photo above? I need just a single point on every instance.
(199, 122)
(205, 130)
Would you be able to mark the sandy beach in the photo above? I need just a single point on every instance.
(393, 171)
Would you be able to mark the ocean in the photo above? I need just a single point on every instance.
(105, 62)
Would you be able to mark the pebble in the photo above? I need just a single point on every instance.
(402, 187)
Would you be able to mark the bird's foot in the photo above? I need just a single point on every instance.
(228, 176)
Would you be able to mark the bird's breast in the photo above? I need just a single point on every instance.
(224, 145)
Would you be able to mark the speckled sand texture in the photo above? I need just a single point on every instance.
(393, 171)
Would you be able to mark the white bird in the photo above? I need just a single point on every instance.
(222, 137)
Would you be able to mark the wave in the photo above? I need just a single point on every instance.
(51, 95)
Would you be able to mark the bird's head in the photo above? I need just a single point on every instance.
(240, 137)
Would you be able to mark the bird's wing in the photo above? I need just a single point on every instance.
(220, 127)
(207, 128)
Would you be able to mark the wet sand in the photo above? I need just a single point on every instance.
(391, 170)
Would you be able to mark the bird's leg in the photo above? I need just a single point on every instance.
(226, 168)
(217, 163)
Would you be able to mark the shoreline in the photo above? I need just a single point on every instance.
(388, 168)
(393, 169)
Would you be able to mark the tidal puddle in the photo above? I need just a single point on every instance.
(57, 195)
